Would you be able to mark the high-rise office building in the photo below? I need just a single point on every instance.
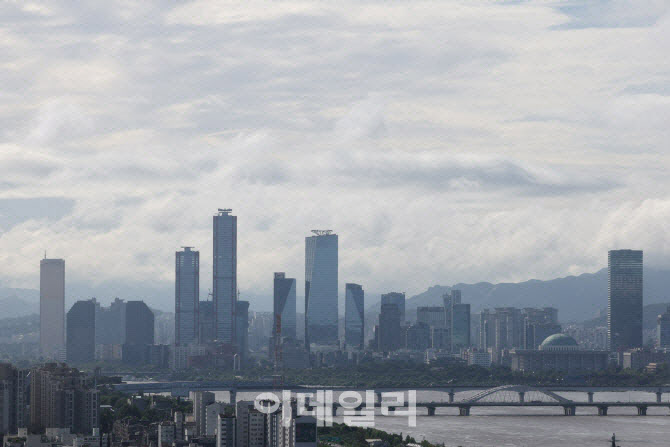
(187, 296)
(225, 274)
(80, 338)
(206, 322)
(52, 308)
(242, 331)
(433, 316)
(284, 323)
(418, 337)
(321, 266)
(398, 299)
(663, 330)
(460, 326)
(139, 332)
(110, 323)
(624, 311)
(62, 397)
(354, 315)
(389, 336)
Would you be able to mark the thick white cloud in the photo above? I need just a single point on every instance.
(444, 142)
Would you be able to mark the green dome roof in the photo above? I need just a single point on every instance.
(558, 340)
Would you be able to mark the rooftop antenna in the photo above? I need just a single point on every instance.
(225, 211)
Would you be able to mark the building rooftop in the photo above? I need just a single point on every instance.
(558, 341)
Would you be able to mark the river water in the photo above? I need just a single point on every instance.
(545, 426)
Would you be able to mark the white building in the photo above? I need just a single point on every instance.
(52, 308)
(226, 431)
(212, 412)
(200, 399)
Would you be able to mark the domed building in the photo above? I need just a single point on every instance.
(558, 352)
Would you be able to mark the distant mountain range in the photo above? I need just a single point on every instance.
(577, 298)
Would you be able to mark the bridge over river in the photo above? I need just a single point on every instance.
(464, 398)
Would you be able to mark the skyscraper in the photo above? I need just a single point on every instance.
(284, 322)
(398, 299)
(321, 267)
(624, 311)
(354, 315)
(187, 296)
(460, 326)
(242, 331)
(52, 307)
(663, 329)
(80, 343)
(139, 332)
(389, 337)
(225, 274)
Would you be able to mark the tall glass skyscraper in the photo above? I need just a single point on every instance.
(225, 274)
(321, 288)
(398, 299)
(284, 323)
(624, 310)
(52, 308)
(187, 296)
(354, 316)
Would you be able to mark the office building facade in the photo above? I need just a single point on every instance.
(354, 316)
(398, 299)
(624, 311)
(80, 336)
(224, 282)
(663, 329)
(52, 308)
(321, 276)
(187, 296)
(284, 306)
(389, 336)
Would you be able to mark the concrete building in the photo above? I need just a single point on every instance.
(624, 311)
(663, 330)
(52, 308)
(305, 431)
(284, 306)
(80, 337)
(354, 316)
(225, 274)
(186, 296)
(440, 339)
(212, 412)
(250, 425)
(226, 431)
(166, 433)
(13, 398)
(418, 337)
(201, 399)
(479, 357)
(398, 299)
(62, 397)
(559, 352)
(321, 301)
(389, 336)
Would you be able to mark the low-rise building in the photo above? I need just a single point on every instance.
(558, 352)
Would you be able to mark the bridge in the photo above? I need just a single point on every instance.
(456, 396)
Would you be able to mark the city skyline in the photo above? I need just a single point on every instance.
(514, 142)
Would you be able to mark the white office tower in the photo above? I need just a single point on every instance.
(321, 267)
(226, 431)
(225, 274)
(250, 425)
(52, 308)
(186, 296)
(200, 401)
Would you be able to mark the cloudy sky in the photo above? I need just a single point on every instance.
(444, 142)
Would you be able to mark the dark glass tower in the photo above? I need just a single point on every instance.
(354, 316)
(80, 334)
(624, 311)
(187, 296)
(225, 274)
(321, 313)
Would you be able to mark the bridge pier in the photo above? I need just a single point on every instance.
(451, 397)
(464, 410)
(431, 411)
(641, 410)
(522, 396)
(602, 410)
(590, 394)
(659, 396)
(569, 410)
